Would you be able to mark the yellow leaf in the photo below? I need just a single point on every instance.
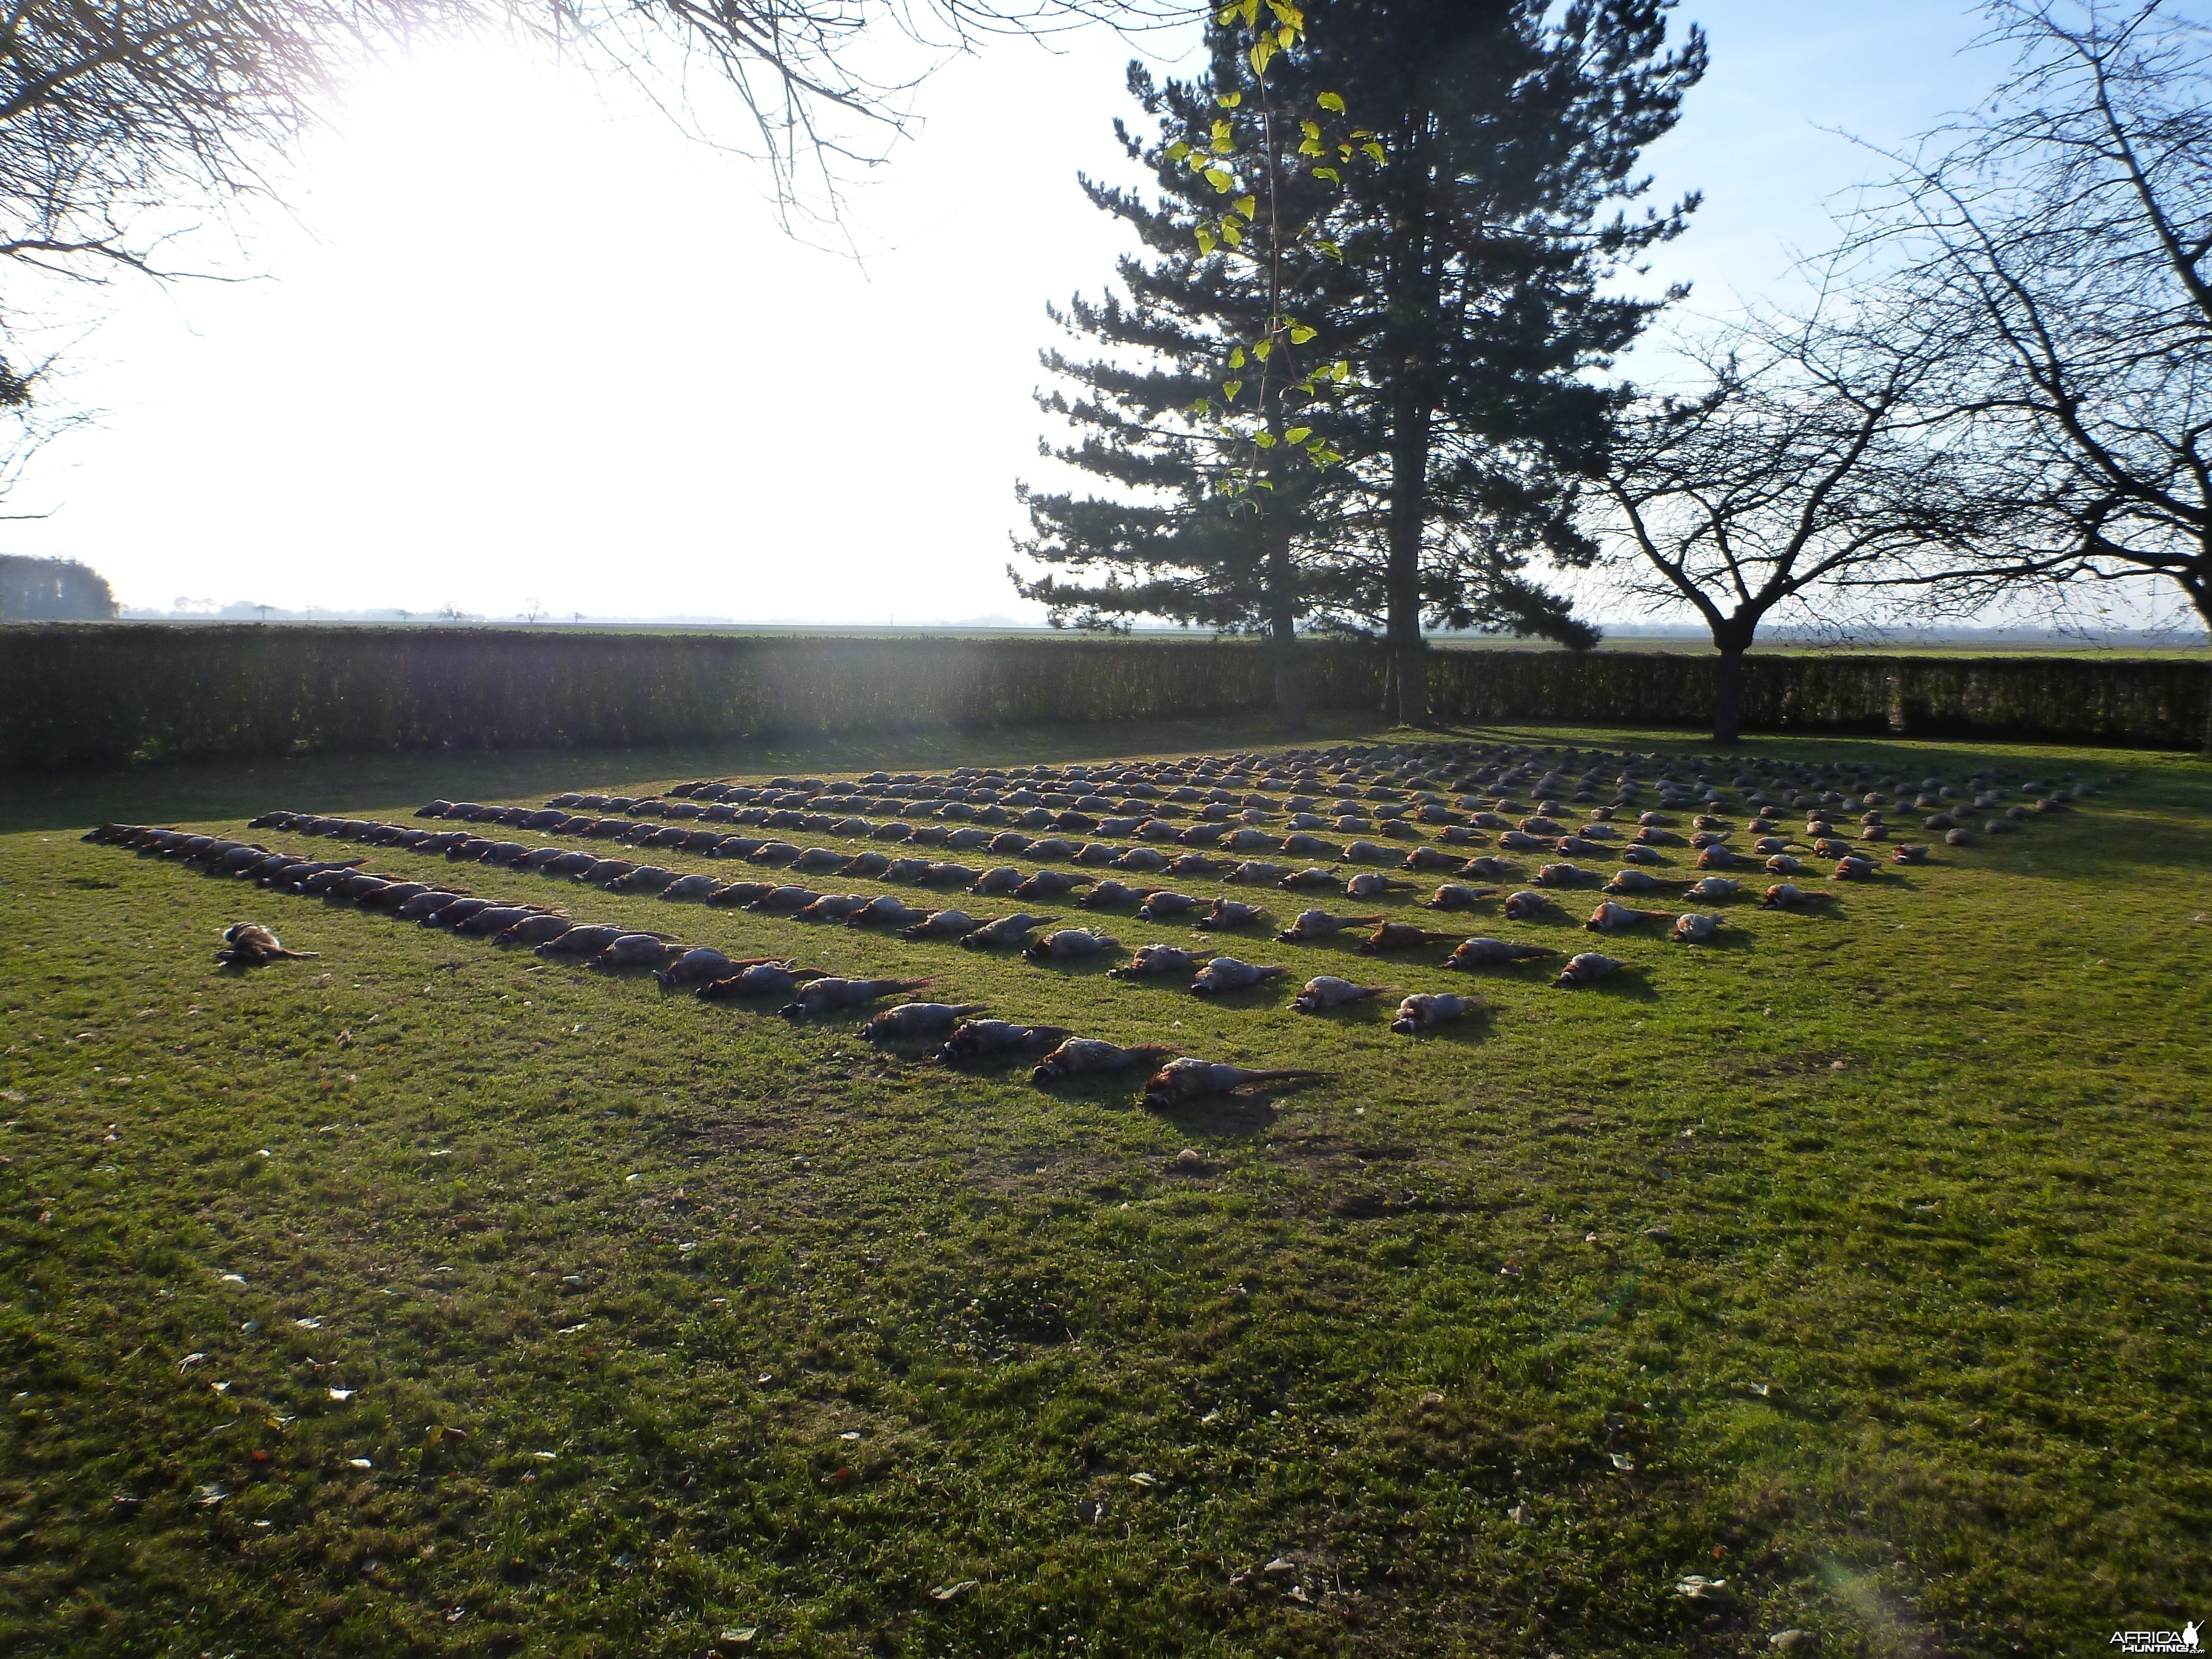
(1265, 439)
(1263, 349)
(1331, 102)
(1262, 50)
(1339, 371)
(1329, 173)
(1221, 180)
(1297, 434)
(1312, 129)
(1230, 388)
(1204, 240)
(1375, 150)
(1300, 334)
(1248, 206)
(1177, 150)
(1230, 233)
(1237, 358)
(1286, 37)
(1225, 138)
(1229, 99)
(1251, 11)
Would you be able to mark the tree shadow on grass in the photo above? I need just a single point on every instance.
(1222, 1117)
(1468, 1032)
(1732, 936)
(1628, 985)
(1078, 966)
(1366, 1012)
(1267, 993)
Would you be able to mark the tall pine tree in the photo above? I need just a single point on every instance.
(1512, 134)
(1217, 515)
(1468, 297)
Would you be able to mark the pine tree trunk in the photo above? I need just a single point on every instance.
(1412, 301)
(1409, 477)
(1282, 634)
(1728, 696)
(1290, 695)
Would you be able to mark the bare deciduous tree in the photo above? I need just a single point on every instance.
(114, 116)
(106, 111)
(2060, 244)
(1802, 474)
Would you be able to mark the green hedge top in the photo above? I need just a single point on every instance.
(104, 695)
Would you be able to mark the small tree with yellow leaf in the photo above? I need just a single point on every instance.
(1212, 410)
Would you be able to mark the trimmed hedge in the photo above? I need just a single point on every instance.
(106, 695)
(2152, 703)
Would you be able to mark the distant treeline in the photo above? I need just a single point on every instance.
(104, 695)
(52, 590)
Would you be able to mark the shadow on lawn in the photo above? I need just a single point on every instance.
(1223, 1117)
(1628, 985)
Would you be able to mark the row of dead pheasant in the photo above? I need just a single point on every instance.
(715, 976)
(1356, 771)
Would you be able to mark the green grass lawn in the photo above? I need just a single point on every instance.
(656, 1322)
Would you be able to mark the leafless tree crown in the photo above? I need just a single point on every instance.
(2059, 243)
(106, 111)
(1805, 471)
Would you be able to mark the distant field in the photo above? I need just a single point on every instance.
(1613, 642)
(1856, 1261)
(1863, 648)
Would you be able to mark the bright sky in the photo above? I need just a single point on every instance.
(522, 341)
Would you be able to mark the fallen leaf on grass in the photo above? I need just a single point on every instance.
(1141, 1479)
(946, 1592)
(360, 1463)
(209, 1495)
(1622, 1461)
(343, 1394)
(747, 1633)
(310, 1323)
